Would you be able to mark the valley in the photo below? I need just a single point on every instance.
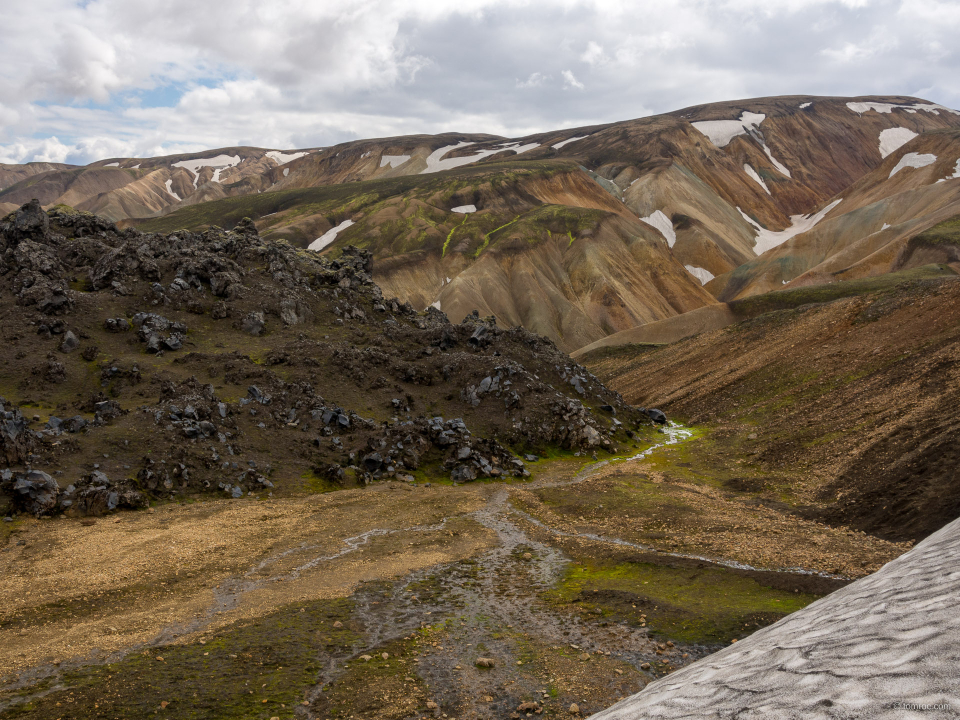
(472, 427)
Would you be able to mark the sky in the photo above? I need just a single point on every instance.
(83, 80)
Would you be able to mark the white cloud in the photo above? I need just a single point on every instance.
(570, 81)
(297, 73)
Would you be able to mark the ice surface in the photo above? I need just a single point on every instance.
(914, 160)
(393, 161)
(464, 209)
(704, 276)
(560, 144)
(329, 236)
(753, 173)
(893, 139)
(218, 162)
(873, 650)
(661, 222)
(282, 158)
(721, 132)
(169, 185)
(768, 239)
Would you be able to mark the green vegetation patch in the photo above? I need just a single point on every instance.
(253, 670)
(691, 604)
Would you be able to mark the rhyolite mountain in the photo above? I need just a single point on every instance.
(582, 233)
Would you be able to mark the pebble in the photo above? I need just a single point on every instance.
(366, 658)
(584, 656)
(338, 624)
(645, 666)
(574, 709)
(486, 662)
(385, 656)
(431, 705)
(527, 556)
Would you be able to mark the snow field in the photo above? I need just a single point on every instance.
(282, 158)
(220, 162)
(464, 209)
(170, 191)
(329, 236)
(805, 105)
(560, 144)
(768, 239)
(436, 164)
(862, 107)
(956, 173)
(661, 222)
(914, 160)
(892, 139)
(756, 176)
(721, 132)
(704, 276)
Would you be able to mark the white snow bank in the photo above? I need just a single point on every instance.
(282, 158)
(329, 236)
(435, 304)
(704, 276)
(113, 164)
(914, 160)
(862, 107)
(286, 172)
(753, 173)
(885, 226)
(393, 161)
(768, 239)
(195, 165)
(956, 173)
(436, 164)
(893, 139)
(136, 167)
(661, 222)
(805, 105)
(776, 163)
(560, 144)
(464, 209)
(169, 185)
(721, 132)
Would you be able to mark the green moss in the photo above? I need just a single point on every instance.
(275, 658)
(486, 238)
(703, 605)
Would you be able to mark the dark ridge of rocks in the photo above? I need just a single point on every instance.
(309, 371)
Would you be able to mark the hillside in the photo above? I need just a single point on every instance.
(843, 407)
(662, 215)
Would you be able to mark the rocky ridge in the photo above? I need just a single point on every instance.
(145, 366)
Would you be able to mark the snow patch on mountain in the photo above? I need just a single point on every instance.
(282, 158)
(805, 105)
(776, 163)
(721, 132)
(769, 239)
(436, 164)
(956, 173)
(880, 107)
(893, 139)
(394, 161)
(286, 172)
(704, 276)
(464, 209)
(914, 160)
(113, 164)
(220, 162)
(753, 174)
(661, 222)
(560, 144)
(329, 236)
(169, 185)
